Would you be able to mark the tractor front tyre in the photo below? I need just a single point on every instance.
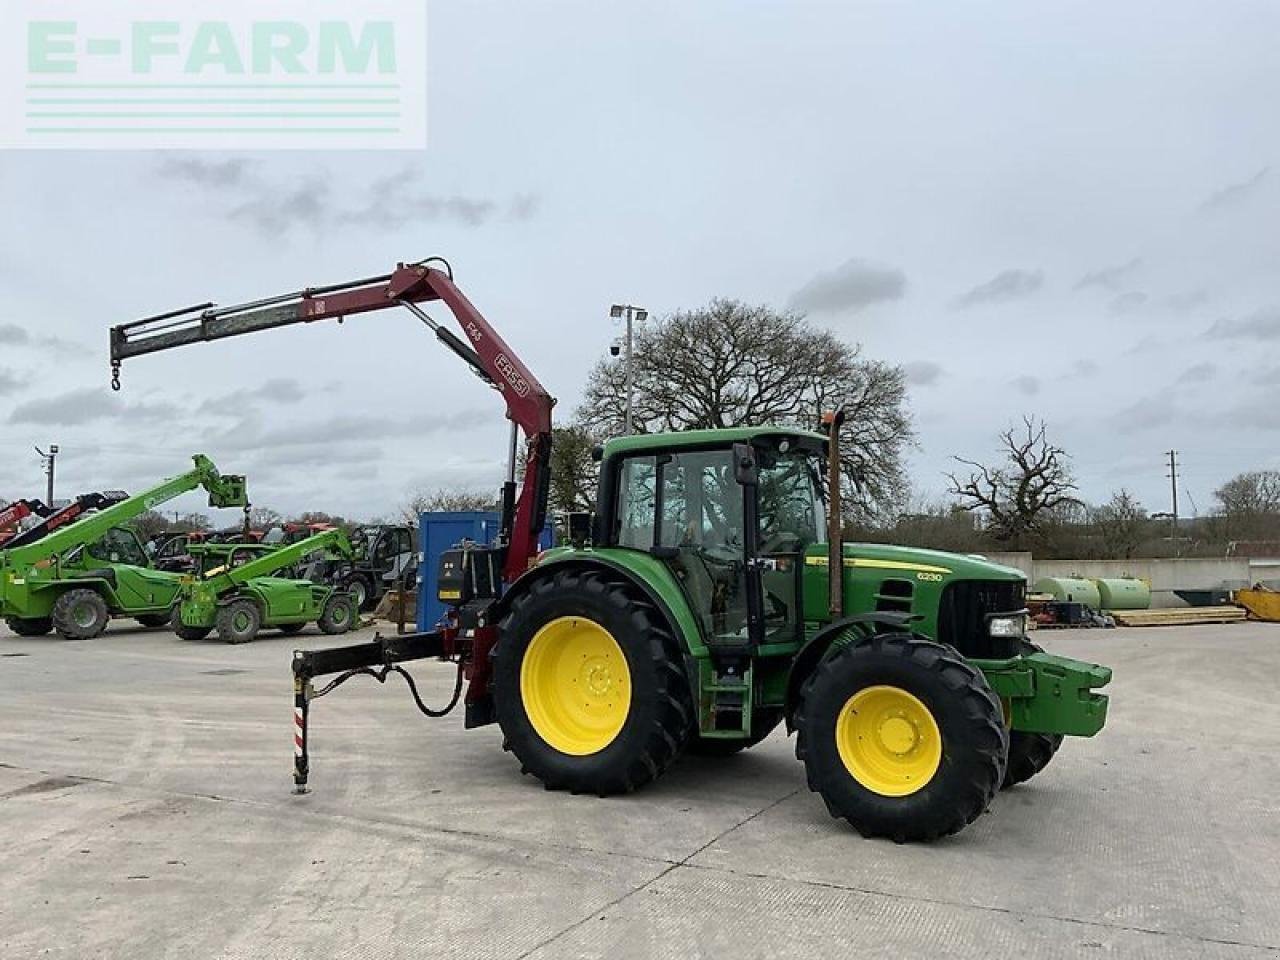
(33, 627)
(1029, 753)
(589, 685)
(901, 737)
(154, 619)
(361, 589)
(81, 615)
(339, 613)
(239, 621)
(763, 722)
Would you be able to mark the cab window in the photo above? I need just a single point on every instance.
(119, 546)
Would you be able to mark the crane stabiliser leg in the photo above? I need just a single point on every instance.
(378, 658)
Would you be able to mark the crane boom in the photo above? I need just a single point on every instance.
(481, 348)
(53, 520)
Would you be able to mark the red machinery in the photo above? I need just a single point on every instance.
(523, 514)
(55, 519)
(18, 511)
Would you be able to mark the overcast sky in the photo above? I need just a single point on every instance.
(1067, 210)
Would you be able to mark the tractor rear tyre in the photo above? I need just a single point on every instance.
(339, 613)
(763, 722)
(81, 614)
(239, 621)
(589, 685)
(901, 737)
(154, 619)
(361, 589)
(33, 627)
(1029, 753)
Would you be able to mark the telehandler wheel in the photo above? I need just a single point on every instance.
(191, 633)
(339, 613)
(361, 590)
(34, 627)
(1029, 753)
(901, 737)
(763, 722)
(80, 614)
(239, 621)
(154, 619)
(589, 685)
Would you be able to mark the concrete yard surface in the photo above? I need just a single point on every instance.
(146, 812)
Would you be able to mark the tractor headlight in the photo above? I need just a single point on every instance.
(1009, 626)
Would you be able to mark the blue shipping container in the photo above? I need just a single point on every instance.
(442, 530)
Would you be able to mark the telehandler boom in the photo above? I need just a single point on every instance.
(53, 520)
(77, 577)
(705, 604)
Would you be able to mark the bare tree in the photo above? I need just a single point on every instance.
(1123, 524)
(444, 499)
(574, 471)
(731, 364)
(1250, 494)
(1022, 494)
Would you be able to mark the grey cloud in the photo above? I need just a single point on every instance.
(247, 435)
(317, 454)
(205, 173)
(1183, 302)
(272, 207)
(1198, 373)
(277, 391)
(11, 382)
(88, 405)
(1145, 414)
(16, 336)
(1265, 377)
(1027, 385)
(1262, 324)
(275, 211)
(1127, 302)
(1109, 278)
(922, 373)
(1234, 194)
(1005, 286)
(852, 286)
(1084, 367)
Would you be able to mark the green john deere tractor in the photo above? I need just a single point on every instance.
(240, 600)
(702, 614)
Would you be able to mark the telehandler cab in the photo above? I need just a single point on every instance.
(710, 600)
(75, 579)
(239, 600)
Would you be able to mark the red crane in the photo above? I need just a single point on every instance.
(523, 514)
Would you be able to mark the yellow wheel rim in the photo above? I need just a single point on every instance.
(575, 685)
(889, 741)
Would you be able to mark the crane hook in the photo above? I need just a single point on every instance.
(115, 375)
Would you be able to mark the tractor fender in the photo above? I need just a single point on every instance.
(650, 578)
(861, 626)
(99, 585)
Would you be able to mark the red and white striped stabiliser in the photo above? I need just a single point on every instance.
(298, 741)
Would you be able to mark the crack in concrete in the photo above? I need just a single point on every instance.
(671, 868)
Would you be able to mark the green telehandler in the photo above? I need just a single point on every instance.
(240, 600)
(80, 576)
(709, 599)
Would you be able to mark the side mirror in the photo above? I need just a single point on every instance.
(745, 468)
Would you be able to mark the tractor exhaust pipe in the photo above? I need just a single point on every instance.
(835, 524)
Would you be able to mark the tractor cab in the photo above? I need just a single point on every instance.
(731, 513)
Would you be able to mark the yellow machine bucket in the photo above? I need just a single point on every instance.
(1261, 604)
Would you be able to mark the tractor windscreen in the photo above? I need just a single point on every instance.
(792, 512)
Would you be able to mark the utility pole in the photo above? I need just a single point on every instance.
(639, 315)
(1173, 489)
(49, 459)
